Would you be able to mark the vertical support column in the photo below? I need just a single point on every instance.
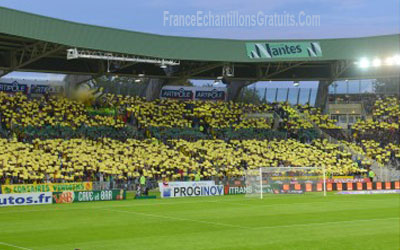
(322, 94)
(298, 96)
(234, 87)
(72, 81)
(265, 95)
(287, 95)
(153, 89)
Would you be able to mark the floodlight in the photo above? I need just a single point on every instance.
(228, 70)
(389, 61)
(296, 83)
(376, 62)
(396, 59)
(141, 75)
(163, 65)
(364, 63)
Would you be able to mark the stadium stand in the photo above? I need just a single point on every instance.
(118, 139)
(384, 124)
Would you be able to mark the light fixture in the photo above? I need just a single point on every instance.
(138, 80)
(376, 62)
(228, 70)
(296, 84)
(389, 61)
(141, 75)
(364, 63)
(75, 53)
(396, 59)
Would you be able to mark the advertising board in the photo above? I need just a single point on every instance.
(25, 199)
(46, 187)
(88, 196)
(193, 93)
(194, 188)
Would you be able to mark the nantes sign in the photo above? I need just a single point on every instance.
(268, 50)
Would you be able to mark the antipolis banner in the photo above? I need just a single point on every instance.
(193, 93)
(189, 189)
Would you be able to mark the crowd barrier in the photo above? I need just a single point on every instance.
(318, 187)
(190, 188)
(17, 199)
(88, 196)
(45, 198)
(46, 187)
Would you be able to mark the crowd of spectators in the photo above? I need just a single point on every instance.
(117, 154)
(74, 160)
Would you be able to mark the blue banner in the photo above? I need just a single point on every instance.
(13, 87)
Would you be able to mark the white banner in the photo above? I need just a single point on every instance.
(25, 199)
(193, 93)
(185, 184)
(188, 189)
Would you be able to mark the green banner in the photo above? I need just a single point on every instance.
(105, 195)
(101, 111)
(46, 187)
(266, 50)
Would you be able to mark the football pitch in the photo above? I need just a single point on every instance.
(308, 221)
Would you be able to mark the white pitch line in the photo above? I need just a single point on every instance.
(176, 218)
(66, 208)
(233, 202)
(243, 227)
(294, 203)
(15, 246)
(327, 222)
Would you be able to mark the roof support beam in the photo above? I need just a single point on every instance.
(282, 69)
(195, 71)
(75, 80)
(30, 54)
(322, 94)
(234, 88)
(338, 68)
(185, 75)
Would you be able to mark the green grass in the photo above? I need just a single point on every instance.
(229, 222)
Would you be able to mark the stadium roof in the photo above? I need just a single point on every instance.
(53, 36)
